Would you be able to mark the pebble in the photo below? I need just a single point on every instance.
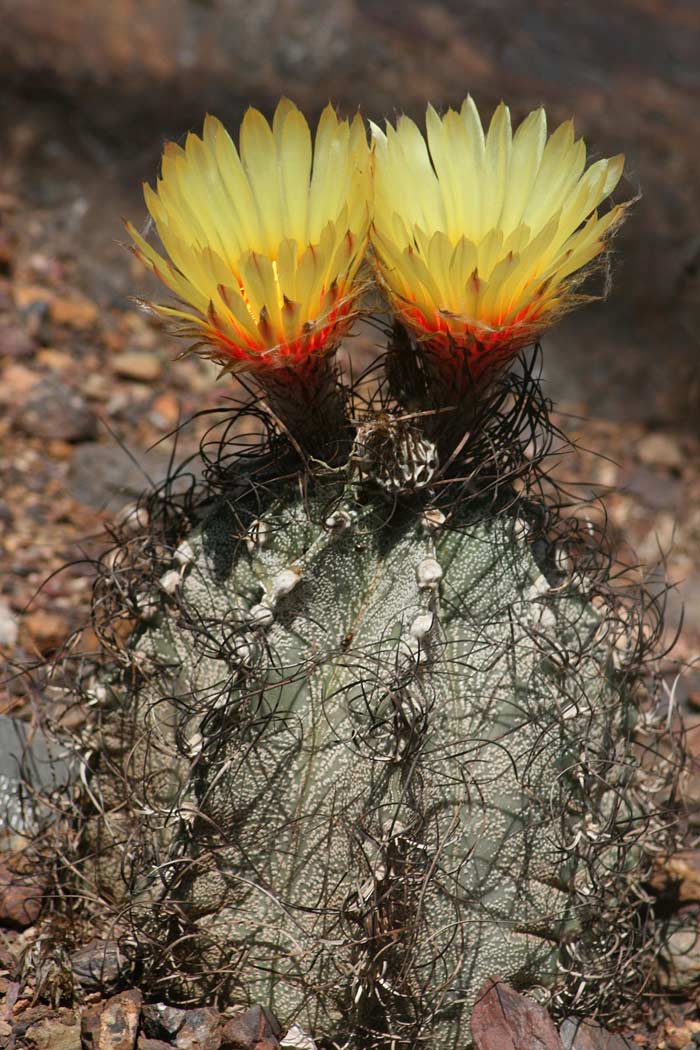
(56, 360)
(98, 965)
(656, 491)
(659, 449)
(104, 477)
(578, 1034)
(54, 410)
(51, 1035)
(8, 626)
(97, 386)
(160, 1019)
(297, 1039)
(15, 382)
(15, 341)
(677, 1037)
(47, 629)
(21, 897)
(141, 365)
(165, 410)
(28, 295)
(119, 1022)
(201, 1030)
(256, 1029)
(74, 311)
(680, 954)
(683, 871)
(503, 1019)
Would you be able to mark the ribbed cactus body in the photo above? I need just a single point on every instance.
(375, 742)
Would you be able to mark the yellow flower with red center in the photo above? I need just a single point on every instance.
(263, 243)
(480, 239)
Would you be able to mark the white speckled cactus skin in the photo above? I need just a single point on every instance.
(374, 742)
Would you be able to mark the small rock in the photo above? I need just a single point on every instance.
(97, 386)
(15, 383)
(655, 491)
(503, 1019)
(201, 1030)
(682, 870)
(48, 630)
(660, 449)
(55, 410)
(28, 295)
(680, 956)
(8, 626)
(578, 1034)
(165, 410)
(21, 894)
(119, 1021)
(15, 341)
(90, 1024)
(678, 1037)
(297, 1039)
(56, 360)
(137, 364)
(50, 1034)
(105, 477)
(256, 1029)
(146, 1043)
(160, 1019)
(74, 311)
(98, 965)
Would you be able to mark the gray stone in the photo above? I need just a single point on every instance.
(106, 477)
(29, 760)
(55, 410)
(582, 1034)
(8, 626)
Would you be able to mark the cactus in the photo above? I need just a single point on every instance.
(371, 745)
(376, 735)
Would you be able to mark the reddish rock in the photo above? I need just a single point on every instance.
(74, 311)
(661, 449)
(48, 630)
(503, 1019)
(15, 341)
(21, 894)
(146, 1043)
(256, 1029)
(119, 1021)
(90, 1024)
(137, 364)
(682, 873)
(578, 1034)
(201, 1030)
(51, 1034)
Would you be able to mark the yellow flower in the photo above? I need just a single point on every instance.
(264, 243)
(479, 238)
